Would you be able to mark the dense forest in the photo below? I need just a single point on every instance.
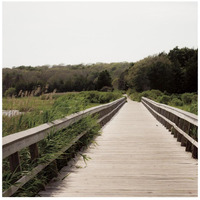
(62, 78)
(175, 72)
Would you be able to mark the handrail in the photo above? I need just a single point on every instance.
(182, 124)
(192, 118)
(29, 138)
(17, 141)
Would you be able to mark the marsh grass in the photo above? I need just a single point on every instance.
(26, 104)
(49, 147)
(38, 111)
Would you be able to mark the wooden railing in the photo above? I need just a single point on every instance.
(13, 143)
(183, 125)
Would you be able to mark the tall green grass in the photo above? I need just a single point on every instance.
(60, 106)
(48, 149)
(39, 111)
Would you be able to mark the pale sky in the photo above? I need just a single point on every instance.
(38, 33)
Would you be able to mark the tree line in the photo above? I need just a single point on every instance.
(63, 78)
(173, 72)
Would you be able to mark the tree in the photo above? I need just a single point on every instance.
(122, 84)
(185, 70)
(104, 79)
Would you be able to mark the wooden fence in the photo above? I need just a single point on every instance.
(13, 143)
(183, 125)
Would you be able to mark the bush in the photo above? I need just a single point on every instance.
(186, 98)
(131, 91)
(71, 103)
(151, 94)
(195, 98)
(134, 96)
(156, 93)
(194, 108)
(101, 97)
(164, 99)
(10, 92)
(176, 102)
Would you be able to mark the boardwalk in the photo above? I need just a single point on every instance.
(135, 156)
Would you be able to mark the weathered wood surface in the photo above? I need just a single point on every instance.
(190, 117)
(135, 156)
(184, 125)
(14, 142)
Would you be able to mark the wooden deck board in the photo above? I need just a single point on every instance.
(134, 156)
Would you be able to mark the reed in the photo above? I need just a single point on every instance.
(45, 110)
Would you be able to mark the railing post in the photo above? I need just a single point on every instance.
(183, 139)
(188, 146)
(15, 162)
(34, 152)
(179, 136)
(185, 124)
(194, 152)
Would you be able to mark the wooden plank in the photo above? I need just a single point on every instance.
(134, 156)
(39, 168)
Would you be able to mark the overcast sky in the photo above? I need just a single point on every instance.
(38, 33)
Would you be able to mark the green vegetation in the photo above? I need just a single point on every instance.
(166, 78)
(185, 101)
(27, 104)
(175, 72)
(49, 148)
(63, 78)
(38, 111)
(104, 79)
(47, 93)
(10, 92)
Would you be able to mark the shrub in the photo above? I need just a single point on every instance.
(194, 108)
(186, 98)
(135, 96)
(165, 99)
(151, 94)
(131, 91)
(155, 93)
(10, 92)
(195, 98)
(176, 102)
